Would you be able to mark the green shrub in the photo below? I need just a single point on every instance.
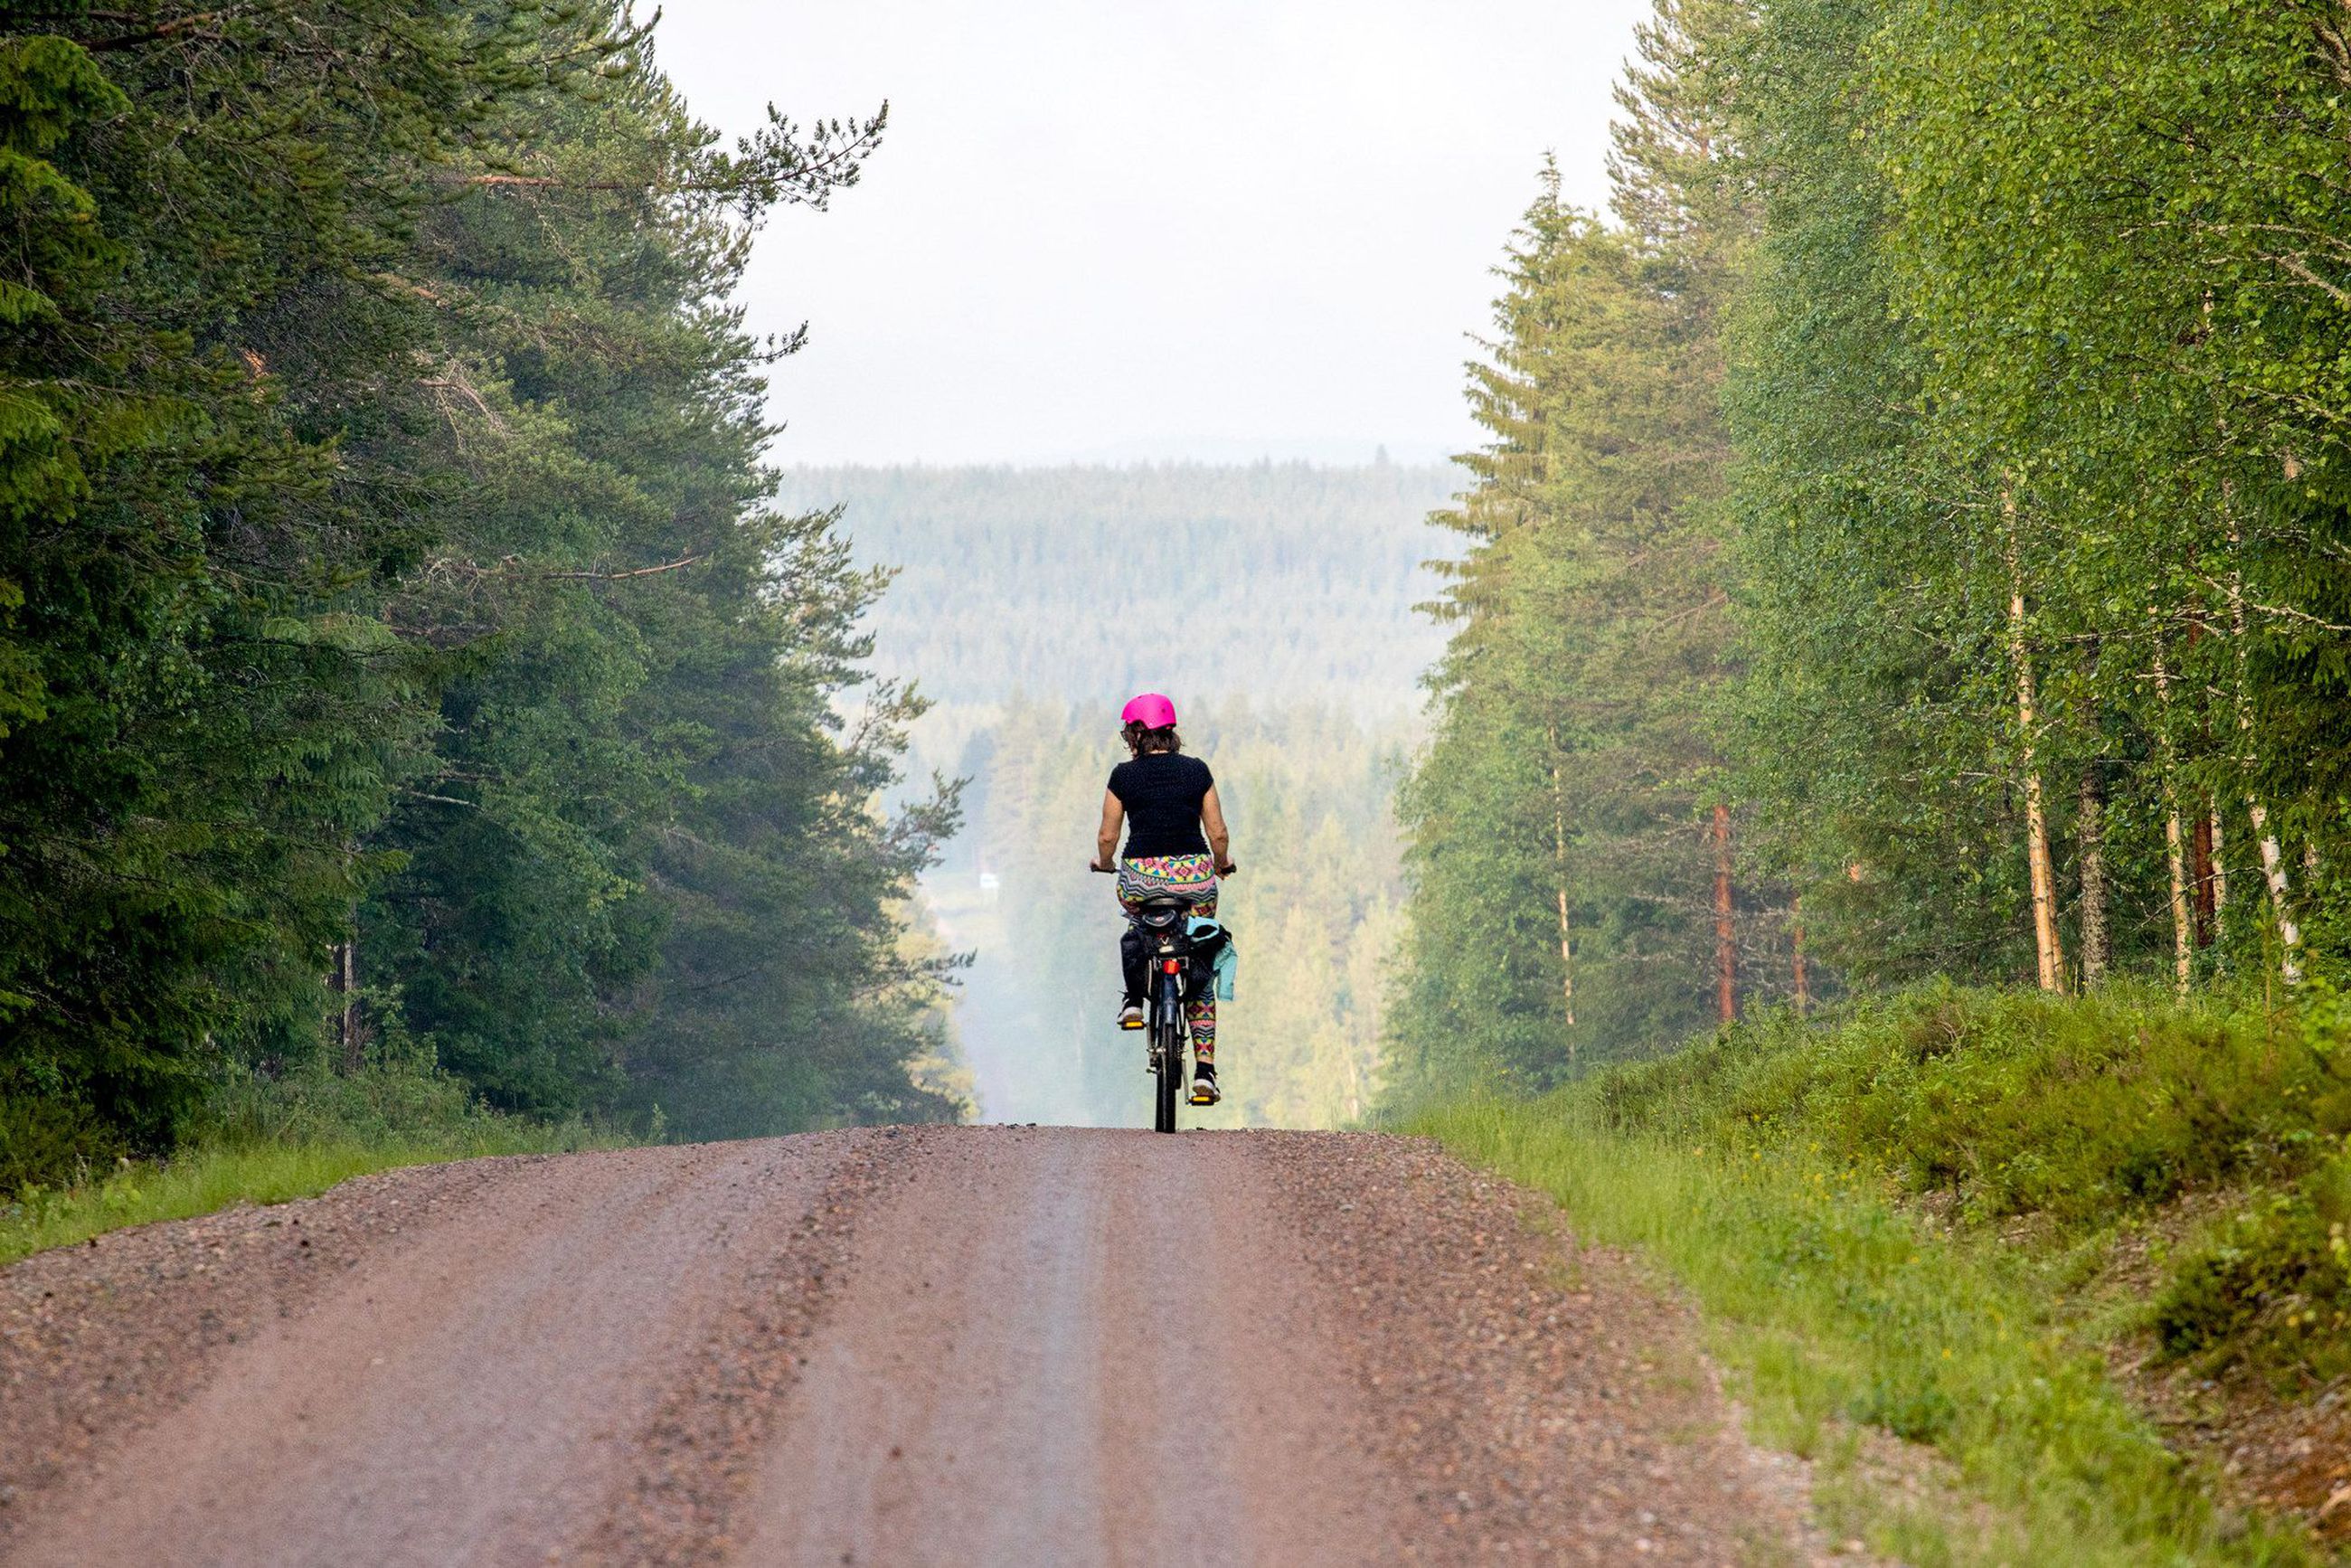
(2078, 1110)
(2272, 1282)
(378, 1105)
(44, 1140)
(2012, 1103)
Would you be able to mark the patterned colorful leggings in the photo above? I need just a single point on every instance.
(1187, 876)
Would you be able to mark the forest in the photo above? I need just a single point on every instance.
(1091, 582)
(406, 667)
(1911, 540)
(1879, 846)
(1026, 605)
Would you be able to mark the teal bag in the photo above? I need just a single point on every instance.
(1223, 962)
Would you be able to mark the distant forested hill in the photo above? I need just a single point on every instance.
(1273, 583)
(1274, 602)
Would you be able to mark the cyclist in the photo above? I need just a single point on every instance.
(1176, 844)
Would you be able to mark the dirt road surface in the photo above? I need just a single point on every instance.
(889, 1347)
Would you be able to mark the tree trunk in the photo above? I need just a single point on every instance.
(2183, 935)
(2183, 951)
(2045, 946)
(1804, 992)
(2200, 867)
(343, 978)
(2256, 811)
(2092, 835)
(2219, 884)
(1566, 967)
(1726, 933)
(1354, 1095)
(2274, 873)
(1559, 885)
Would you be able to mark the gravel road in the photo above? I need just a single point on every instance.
(896, 1346)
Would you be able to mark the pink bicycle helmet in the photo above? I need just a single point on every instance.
(1150, 710)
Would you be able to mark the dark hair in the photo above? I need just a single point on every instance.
(1139, 741)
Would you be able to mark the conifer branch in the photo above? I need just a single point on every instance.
(160, 33)
(678, 564)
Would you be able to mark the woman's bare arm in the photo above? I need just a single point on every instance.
(1106, 840)
(1220, 843)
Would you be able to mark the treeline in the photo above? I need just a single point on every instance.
(1281, 581)
(402, 656)
(1912, 539)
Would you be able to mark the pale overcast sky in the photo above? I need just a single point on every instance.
(1206, 228)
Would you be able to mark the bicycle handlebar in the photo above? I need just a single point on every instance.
(1224, 869)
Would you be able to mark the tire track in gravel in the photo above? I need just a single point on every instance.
(1074, 1347)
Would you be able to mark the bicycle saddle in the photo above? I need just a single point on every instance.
(1162, 910)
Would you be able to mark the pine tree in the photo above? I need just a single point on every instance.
(1571, 795)
(390, 583)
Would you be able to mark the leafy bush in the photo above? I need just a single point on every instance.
(2075, 1110)
(2272, 1282)
(393, 1104)
(45, 1139)
(2016, 1102)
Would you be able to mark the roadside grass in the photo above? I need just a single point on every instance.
(1894, 1220)
(272, 1141)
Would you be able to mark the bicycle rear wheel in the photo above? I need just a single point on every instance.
(1167, 1047)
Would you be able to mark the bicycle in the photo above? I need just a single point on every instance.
(1169, 952)
(1161, 921)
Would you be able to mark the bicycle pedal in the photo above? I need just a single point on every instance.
(1136, 1024)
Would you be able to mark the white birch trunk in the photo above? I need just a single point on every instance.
(2256, 809)
(1559, 885)
(2219, 878)
(2036, 821)
(2183, 930)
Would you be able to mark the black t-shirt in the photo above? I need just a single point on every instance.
(1162, 791)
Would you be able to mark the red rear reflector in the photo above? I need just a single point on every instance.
(1167, 967)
